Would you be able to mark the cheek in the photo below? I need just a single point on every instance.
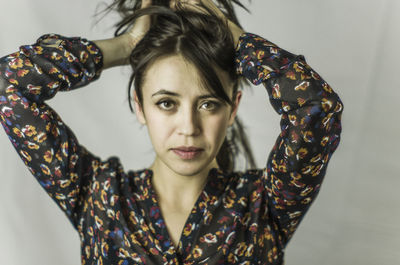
(158, 127)
(216, 128)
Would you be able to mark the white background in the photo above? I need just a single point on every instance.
(353, 44)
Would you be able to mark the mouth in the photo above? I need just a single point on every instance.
(187, 152)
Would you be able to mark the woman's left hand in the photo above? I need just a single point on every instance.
(196, 6)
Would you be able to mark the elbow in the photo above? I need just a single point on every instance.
(318, 93)
(331, 102)
(331, 123)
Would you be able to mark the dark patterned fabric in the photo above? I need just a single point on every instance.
(239, 218)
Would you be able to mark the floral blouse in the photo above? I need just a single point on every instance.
(239, 218)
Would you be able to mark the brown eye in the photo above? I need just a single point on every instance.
(209, 105)
(165, 104)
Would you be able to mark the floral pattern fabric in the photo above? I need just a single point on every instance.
(239, 218)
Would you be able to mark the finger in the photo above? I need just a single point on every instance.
(211, 5)
(141, 24)
(174, 3)
(146, 3)
(191, 5)
(198, 6)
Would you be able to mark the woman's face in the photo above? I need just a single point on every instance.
(186, 124)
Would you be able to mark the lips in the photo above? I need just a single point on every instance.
(187, 148)
(187, 152)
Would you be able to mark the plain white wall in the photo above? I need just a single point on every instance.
(352, 44)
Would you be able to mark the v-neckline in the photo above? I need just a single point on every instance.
(208, 196)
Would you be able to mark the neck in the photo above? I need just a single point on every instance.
(176, 190)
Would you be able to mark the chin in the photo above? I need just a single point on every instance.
(190, 168)
(186, 167)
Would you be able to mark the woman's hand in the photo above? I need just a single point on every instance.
(116, 51)
(140, 27)
(195, 6)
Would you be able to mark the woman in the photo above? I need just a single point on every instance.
(189, 206)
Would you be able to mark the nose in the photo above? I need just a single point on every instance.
(189, 122)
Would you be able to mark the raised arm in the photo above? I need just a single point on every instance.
(47, 146)
(310, 128)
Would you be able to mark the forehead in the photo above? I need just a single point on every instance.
(175, 73)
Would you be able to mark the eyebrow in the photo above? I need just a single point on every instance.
(170, 93)
(165, 92)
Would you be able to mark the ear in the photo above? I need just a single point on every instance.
(138, 109)
(235, 107)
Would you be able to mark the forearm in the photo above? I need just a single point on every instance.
(116, 50)
(54, 63)
(291, 83)
(236, 32)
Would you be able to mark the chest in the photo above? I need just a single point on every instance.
(175, 221)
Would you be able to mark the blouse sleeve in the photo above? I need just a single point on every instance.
(310, 129)
(47, 146)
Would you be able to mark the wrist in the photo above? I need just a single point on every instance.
(236, 32)
(116, 51)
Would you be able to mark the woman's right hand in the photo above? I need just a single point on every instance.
(116, 51)
(140, 27)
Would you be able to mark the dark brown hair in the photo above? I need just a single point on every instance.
(205, 41)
